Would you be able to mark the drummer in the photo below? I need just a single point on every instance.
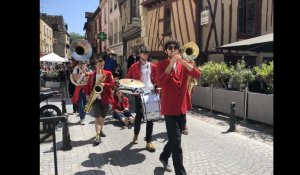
(144, 71)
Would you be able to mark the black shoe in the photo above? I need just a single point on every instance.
(129, 126)
(167, 167)
(102, 134)
(123, 127)
(97, 141)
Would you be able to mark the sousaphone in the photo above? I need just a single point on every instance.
(81, 50)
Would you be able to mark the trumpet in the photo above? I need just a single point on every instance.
(190, 51)
(96, 91)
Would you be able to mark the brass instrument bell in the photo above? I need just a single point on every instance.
(190, 51)
(81, 50)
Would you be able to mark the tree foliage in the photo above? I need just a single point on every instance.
(216, 74)
(242, 76)
(74, 36)
(265, 73)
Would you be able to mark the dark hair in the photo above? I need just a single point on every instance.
(171, 41)
(143, 49)
(99, 60)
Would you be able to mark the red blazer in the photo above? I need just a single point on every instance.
(117, 104)
(109, 83)
(135, 72)
(175, 98)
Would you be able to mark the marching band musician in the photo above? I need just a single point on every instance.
(144, 71)
(101, 104)
(172, 74)
(79, 95)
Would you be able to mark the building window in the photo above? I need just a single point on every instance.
(115, 31)
(115, 4)
(110, 36)
(248, 18)
(105, 16)
(167, 19)
(110, 6)
(44, 30)
(99, 23)
(120, 32)
(134, 8)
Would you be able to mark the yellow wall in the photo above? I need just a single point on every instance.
(46, 39)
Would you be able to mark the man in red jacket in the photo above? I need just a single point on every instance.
(101, 104)
(144, 71)
(172, 75)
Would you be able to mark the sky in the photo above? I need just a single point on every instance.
(73, 12)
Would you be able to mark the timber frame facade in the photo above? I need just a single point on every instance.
(228, 21)
(151, 22)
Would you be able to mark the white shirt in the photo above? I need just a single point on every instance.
(146, 78)
(97, 77)
(174, 67)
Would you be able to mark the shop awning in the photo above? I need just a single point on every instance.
(262, 43)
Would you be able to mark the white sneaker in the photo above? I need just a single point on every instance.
(82, 122)
(126, 121)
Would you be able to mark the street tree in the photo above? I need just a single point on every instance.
(74, 36)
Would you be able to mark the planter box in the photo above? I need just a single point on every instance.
(222, 99)
(201, 96)
(52, 84)
(260, 107)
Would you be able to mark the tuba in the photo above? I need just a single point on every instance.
(81, 50)
(96, 91)
(190, 51)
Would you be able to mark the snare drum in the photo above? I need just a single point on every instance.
(129, 90)
(151, 106)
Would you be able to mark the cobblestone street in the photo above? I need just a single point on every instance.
(208, 149)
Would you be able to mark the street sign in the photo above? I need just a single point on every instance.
(204, 17)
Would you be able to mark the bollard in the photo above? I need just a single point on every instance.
(66, 142)
(232, 118)
(63, 105)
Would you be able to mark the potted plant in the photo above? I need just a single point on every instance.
(265, 73)
(241, 77)
(260, 105)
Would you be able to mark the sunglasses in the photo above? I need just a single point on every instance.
(173, 47)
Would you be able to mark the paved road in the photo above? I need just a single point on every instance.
(207, 150)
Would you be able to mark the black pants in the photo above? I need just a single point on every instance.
(173, 125)
(138, 118)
